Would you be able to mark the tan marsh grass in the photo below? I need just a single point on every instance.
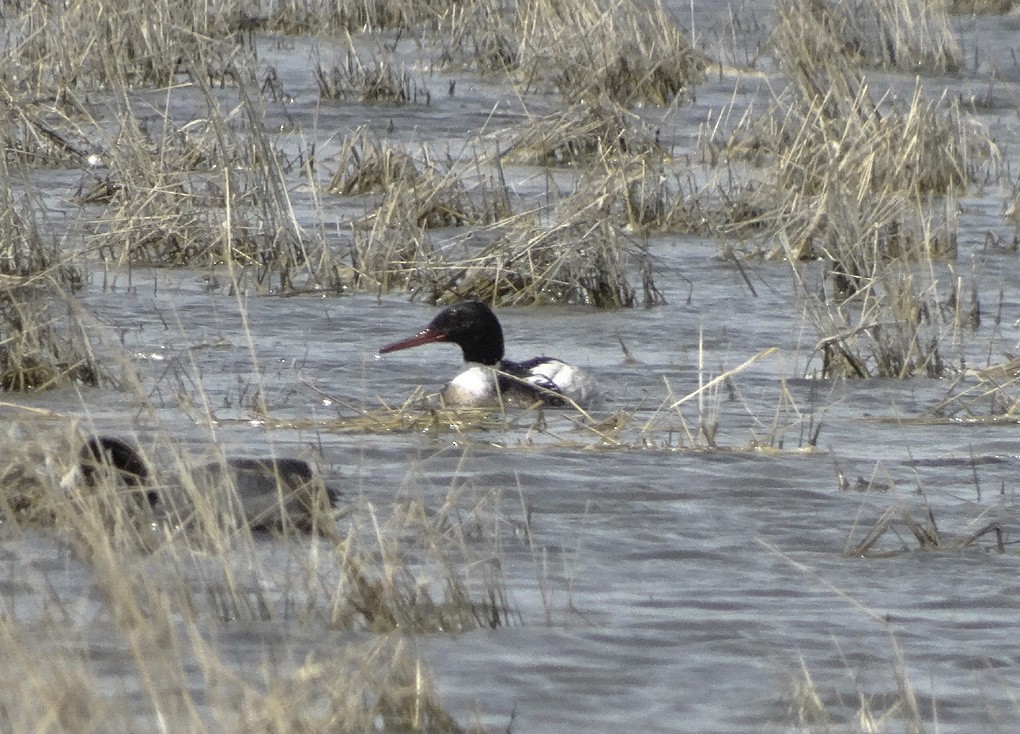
(95, 43)
(579, 135)
(904, 34)
(377, 81)
(627, 53)
(370, 165)
(582, 259)
(200, 194)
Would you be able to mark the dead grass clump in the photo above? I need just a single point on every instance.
(826, 141)
(990, 394)
(632, 53)
(810, 148)
(649, 201)
(373, 685)
(892, 323)
(311, 17)
(422, 195)
(212, 193)
(436, 199)
(44, 689)
(485, 36)
(96, 43)
(387, 258)
(639, 192)
(158, 208)
(626, 53)
(42, 133)
(24, 252)
(379, 81)
(582, 259)
(905, 34)
(925, 533)
(868, 188)
(370, 165)
(579, 135)
(42, 341)
(416, 415)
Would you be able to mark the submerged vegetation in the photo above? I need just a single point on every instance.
(159, 134)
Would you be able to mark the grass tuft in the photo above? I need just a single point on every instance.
(627, 53)
(580, 135)
(582, 259)
(378, 81)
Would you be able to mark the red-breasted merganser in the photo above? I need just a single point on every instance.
(265, 494)
(490, 379)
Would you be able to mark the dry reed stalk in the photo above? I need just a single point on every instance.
(700, 430)
(369, 165)
(485, 36)
(1013, 212)
(854, 182)
(817, 707)
(390, 257)
(202, 194)
(435, 199)
(894, 326)
(43, 341)
(372, 684)
(903, 34)
(925, 533)
(989, 395)
(378, 81)
(580, 134)
(814, 163)
(312, 17)
(629, 53)
(415, 571)
(641, 192)
(42, 133)
(99, 43)
(582, 259)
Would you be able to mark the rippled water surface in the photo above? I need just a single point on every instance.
(661, 588)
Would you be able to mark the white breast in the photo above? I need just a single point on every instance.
(474, 387)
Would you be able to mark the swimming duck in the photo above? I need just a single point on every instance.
(490, 378)
(271, 493)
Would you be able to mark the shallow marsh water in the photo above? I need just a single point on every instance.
(664, 588)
